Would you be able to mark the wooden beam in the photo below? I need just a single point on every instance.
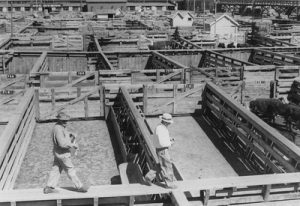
(165, 78)
(37, 66)
(177, 64)
(71, 84)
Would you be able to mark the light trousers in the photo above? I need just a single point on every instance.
(63, 163)
(166, 165)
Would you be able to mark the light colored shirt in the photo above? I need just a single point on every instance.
(162, 137)
(61, 140)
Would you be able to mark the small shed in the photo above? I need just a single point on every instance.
(222, 26)
(182, 19)
(105, 14)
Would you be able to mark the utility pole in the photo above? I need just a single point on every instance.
(215, 18)
(194, 6)
(11, 19)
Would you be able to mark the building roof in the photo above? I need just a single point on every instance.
(212, 21)
(148, 4)
(182, 14)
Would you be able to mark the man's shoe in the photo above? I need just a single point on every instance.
(48, 190)
(147, 181)
(82, 189)
(171, 186)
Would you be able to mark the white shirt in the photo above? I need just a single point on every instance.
(162, 137)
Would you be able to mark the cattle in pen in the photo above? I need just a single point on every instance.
(270, 108)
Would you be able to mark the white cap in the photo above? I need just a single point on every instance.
(166, 117)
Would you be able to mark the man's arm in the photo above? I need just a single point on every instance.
(61, 140)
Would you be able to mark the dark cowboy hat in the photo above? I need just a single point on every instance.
(62, 116)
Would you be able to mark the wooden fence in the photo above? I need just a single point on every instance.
(15, 139)
(264, 148)
(68, 43)
(50, 101)
(284, 78)
(215, 59)
(266, 57)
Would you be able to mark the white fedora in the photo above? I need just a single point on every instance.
(166, 117)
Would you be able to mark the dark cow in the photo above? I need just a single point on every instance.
(231, 45)
(221, 45)
(270, 108)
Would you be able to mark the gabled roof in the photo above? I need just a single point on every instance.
(212, 21)
(181, 14)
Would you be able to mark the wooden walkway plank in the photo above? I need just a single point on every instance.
(179, 199)
(138, 189)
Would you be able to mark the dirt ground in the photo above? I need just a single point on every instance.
(95, 162)
(193, 153)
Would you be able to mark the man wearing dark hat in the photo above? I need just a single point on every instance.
(162, 143)
(63, 142)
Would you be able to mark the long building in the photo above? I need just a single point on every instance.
(84, 5)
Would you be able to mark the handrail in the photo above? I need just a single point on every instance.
(140, 121)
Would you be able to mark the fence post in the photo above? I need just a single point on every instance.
(145, 99)
(37, 104)
(86, 107)
(96, 78)
(174, 96)
(102, 101)
(52, 98)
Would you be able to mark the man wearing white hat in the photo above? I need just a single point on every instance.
(63, 142)
(162, 142)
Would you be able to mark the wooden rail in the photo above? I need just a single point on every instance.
(15, 140)
(263, 148)
(214, 59)
(182, 43)
(267, 41)
(265, 57)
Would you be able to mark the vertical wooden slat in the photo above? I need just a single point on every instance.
(58, 202)
(69, 77)
(145, 99)
(37, 104)
(157, 75)
(266, 192)
(96, 78)
(86, 107)
(96, 201)
(52, 98)
(102, 101)
(174, 97)
(78, 91)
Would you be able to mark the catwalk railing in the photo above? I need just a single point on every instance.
(264, 149)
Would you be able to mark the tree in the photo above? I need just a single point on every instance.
(176, 34)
